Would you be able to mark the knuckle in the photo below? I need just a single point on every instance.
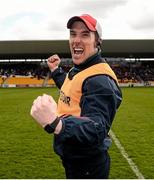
(43, 104)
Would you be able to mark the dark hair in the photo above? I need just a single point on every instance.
(98, 41)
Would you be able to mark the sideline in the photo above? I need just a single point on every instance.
(133, 166)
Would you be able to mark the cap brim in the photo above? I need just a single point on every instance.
(78, 18)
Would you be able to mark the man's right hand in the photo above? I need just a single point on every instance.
(53, 62)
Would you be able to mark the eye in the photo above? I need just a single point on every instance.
(85, 34)
(72, 33)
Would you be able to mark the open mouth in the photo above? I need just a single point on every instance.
(78, 51)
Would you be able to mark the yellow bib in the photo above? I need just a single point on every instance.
(71, 90)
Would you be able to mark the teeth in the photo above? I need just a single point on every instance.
(78, 50)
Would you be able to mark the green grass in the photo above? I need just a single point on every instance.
(26, 150)
(134, 127)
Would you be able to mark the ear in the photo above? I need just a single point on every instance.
(99, 42)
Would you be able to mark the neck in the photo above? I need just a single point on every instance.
(94, 59)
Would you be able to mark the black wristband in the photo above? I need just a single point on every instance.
(50, 128)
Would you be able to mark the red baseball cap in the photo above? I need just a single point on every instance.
(91, 23)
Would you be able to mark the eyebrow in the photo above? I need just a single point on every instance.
(86, 31)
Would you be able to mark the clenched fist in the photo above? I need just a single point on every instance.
(53, 62)
(44, 110)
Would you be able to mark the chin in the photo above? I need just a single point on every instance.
(77, 62)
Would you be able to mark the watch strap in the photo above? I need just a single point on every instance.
(50, 128)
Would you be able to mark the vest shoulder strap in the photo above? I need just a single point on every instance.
(101, 68)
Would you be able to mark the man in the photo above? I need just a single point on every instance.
(89, 98)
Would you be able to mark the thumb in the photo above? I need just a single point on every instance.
(50, 98)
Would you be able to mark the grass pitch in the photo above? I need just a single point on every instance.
(26, 149)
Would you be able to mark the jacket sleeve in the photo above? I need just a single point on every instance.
(58, 76)
(99, 102)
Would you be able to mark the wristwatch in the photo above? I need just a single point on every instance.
(50, 128)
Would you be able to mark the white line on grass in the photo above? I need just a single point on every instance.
(126, 156)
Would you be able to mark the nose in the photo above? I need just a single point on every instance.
(77, 39)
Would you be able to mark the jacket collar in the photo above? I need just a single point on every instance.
(92, 60)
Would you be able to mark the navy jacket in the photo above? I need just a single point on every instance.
(84, 136)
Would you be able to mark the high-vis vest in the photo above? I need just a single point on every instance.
(71, 90)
